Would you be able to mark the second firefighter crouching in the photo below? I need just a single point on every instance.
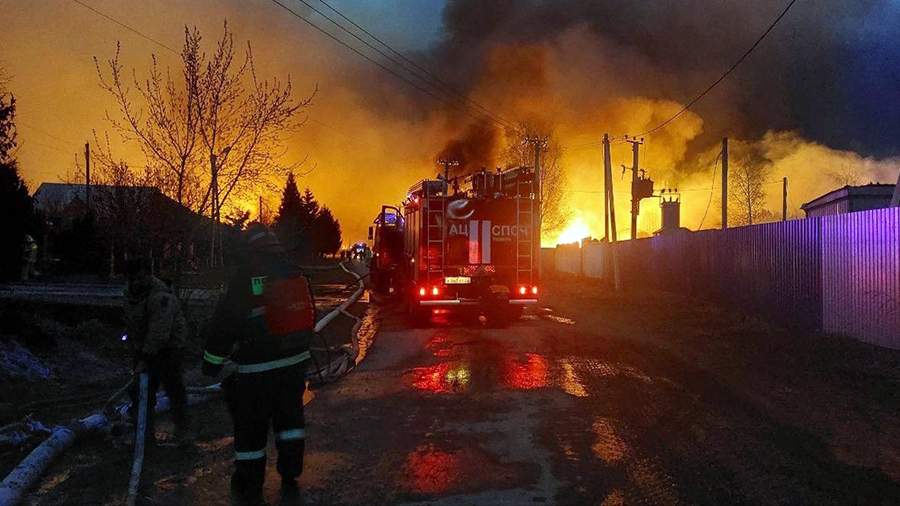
(264, 324)
(157, 332)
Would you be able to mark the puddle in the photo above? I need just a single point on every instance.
(443, 378)
(615, 498)
(436, 470)
(608, 445)
(431, 471)
(569, 381)
(525, 374)
(558, 319)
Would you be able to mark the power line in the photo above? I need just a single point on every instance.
(435, 80)
(723, 76)
(127, 27)
(370, 59)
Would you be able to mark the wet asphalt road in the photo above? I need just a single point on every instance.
(588, 404)
(591, 399)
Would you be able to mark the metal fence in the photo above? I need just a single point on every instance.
(837, 274)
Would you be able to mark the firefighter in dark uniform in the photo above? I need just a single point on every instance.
(157, 332)
(264, 323)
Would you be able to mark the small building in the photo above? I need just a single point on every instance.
(850, 199)
(122, 219)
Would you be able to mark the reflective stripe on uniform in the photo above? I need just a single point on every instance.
(258, 454)
(213, 359)
(273, 364)
(257, 311)
(290, 435)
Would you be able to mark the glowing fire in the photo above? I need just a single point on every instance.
(575, 231)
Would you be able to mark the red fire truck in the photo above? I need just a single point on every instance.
(386, 234)
(472, 243)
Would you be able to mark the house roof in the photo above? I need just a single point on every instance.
(58, 195)
(871, 190)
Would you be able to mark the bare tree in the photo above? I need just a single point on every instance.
(214, 133)
(845, 175)
(520, 153)
(747, 189)
(165, 121)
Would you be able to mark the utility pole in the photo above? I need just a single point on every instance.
(259, 214)
(539, 144)
(214, 201)
(447, 164)
(611, 203)
(635, 200)
(87, 174)
(724, 183)
(784, 198)
(895, 200)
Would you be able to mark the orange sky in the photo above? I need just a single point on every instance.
(47, 47)
(364, 155)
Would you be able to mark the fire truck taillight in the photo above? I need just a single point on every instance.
(534, 290)
(422, 291)
(523, 290)
(435, 291)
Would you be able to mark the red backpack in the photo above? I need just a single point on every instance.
(289, 303)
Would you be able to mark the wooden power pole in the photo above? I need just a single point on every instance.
(784, 198)
(611, 203)
(87, 174)
(724, 183)
(895, 200)
(635, 199)
(214, 199)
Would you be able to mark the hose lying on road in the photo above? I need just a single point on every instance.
(344, 363)
(29, 471)
(20, 479)
(140, 432)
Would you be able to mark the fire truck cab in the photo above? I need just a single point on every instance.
(472, 243)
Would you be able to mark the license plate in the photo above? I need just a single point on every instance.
(457, 280)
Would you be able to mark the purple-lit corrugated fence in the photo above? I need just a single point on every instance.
(861, 275)
(839, 274)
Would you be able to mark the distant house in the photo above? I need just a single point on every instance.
(849, 199)
(128, 219)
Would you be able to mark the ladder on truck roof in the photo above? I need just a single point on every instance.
(435, 232)
(524, 247)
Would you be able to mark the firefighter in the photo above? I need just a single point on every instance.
(157, 332)
(264, 323)
(29, 257)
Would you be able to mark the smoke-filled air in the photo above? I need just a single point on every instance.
(566, 70)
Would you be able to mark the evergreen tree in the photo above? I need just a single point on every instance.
(288, 221)
(310, 208)
(327, 233)
(16, 208)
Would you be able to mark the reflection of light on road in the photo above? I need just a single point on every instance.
(528, 375)
(570, 382)
(615, 498)
(439, 346)
(433, 471)
(443, 378)
(609, 446)
(559, 319)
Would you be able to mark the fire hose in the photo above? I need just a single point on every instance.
(30, 469)
(139, 439)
